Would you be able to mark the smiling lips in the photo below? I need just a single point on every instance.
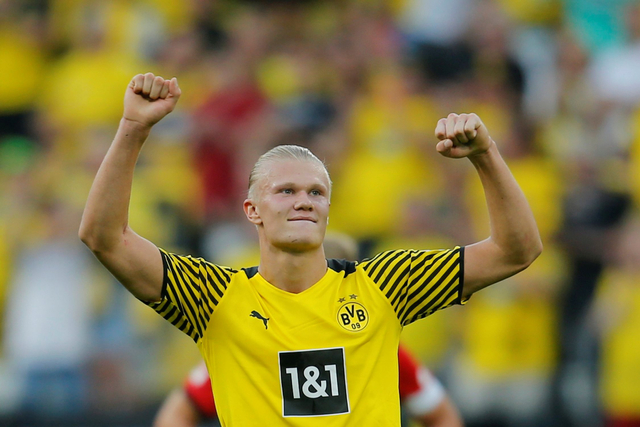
(302, 218)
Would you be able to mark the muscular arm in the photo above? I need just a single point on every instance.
(133, 260)
(514, 242)
(177, 411)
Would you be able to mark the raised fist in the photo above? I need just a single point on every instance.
(149, 98)
(462, 135)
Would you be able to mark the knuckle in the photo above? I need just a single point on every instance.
(452, 116)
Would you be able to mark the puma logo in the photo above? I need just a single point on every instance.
(261, 317)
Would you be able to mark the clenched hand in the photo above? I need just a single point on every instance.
(149, 98)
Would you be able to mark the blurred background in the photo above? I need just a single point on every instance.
(362, 84)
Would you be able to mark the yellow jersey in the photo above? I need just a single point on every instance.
(327, 356)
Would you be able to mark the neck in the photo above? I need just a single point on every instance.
(292, 272)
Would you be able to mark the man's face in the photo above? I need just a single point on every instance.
(291, 206)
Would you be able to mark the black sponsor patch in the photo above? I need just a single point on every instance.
(313, 382)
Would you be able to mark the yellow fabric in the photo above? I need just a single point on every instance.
(428, 341)
(533, 11)
(166, 178)
(542, 184)
(508, 339)
(512, 326)
(278, 77)
(620, 372)
(634, 163)
(21, 68)
(87, 88)
(386, 165)
(346, 328)
(122, 25)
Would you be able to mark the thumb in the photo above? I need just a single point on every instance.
(136, 83)
(174, 89)
(443, 146)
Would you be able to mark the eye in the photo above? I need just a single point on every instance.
(316, 193)
(287, 190)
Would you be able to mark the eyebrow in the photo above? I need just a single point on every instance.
(293, 184)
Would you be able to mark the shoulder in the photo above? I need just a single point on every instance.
(196, 266)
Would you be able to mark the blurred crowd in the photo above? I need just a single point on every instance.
(362, 84)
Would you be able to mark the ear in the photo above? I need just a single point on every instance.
(251, 211)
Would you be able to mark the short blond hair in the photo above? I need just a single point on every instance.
(281, 152)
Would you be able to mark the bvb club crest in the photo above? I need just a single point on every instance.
(353, 317)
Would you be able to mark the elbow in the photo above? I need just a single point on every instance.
(97, 242)
(89, 237)
(538, 249)
(535, 249)
(86, 236)
(529, 253)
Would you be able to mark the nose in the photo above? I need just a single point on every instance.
(303, 203)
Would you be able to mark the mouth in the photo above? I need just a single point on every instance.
(303, 219)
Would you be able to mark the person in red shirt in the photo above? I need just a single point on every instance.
(422, 395)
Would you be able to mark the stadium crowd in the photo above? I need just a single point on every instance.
(362, 84)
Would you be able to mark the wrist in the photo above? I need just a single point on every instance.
(484, 156)
(134, 126)
(132, 133)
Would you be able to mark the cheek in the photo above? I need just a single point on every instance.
(323, 208)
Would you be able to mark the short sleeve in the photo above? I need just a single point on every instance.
(418, 283)
(191, 290)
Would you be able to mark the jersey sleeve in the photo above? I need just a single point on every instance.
(198, 388)
(418, 283)
(191, 290)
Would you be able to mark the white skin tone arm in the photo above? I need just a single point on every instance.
(133, 260)
(178, 411)
(514, 242)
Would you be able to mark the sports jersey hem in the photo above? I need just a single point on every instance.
(165, 267)
(461, 281)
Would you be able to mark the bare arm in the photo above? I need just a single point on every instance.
(514, 242)
(177, 411)
(133, 260)
(443, 415)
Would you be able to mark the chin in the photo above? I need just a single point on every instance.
(300, 243)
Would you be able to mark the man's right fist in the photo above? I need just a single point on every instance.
(149, 98)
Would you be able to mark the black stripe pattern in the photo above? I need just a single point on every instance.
(418, 283)
(191, 290)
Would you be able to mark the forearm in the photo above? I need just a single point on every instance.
(105, 217)
(513, 227)
(514, 242)
(177, 411)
